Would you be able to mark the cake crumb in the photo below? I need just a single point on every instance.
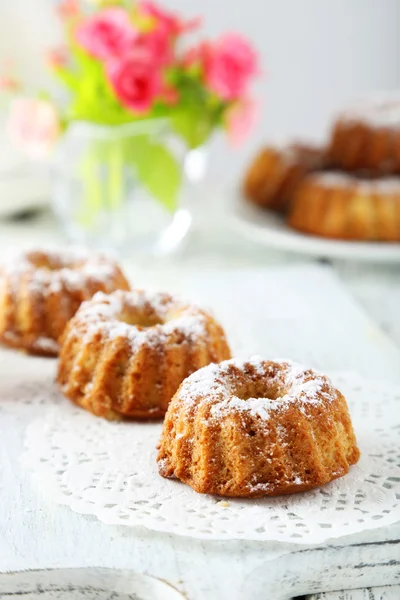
(223, 503)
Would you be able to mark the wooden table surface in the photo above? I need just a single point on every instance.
(35, 534)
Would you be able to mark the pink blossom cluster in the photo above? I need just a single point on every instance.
(33, 126)
(135, 60)
(137, 48)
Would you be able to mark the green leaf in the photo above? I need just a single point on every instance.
(198, 112)
(192, 125)
(156, 168)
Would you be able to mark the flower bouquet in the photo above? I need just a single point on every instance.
(137, 96)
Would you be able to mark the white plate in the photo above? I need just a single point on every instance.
(270, 229)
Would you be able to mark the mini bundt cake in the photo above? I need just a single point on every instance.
(41, 290)
(367, 136)
(275, 173)
(337, 205)
(256, 428)
(127, 353)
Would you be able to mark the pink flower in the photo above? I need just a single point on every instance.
(171, 23)
(68, 9)
(135, 80)
(9, 84)
(240, 119)
(58, 58)
(107, 34)
(229, 65)
(33, 126)
(156, 44)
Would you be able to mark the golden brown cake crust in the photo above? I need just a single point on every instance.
(41, 290)
(125, 354)
(341, 206)
(256, 428)
(275, 173)
(368, 137)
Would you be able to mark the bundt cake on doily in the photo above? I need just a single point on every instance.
(126, 354)
(367, 136)
(276, 171)
(41, 290)
(338, 205)
(256, 427)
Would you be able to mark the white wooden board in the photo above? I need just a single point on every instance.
(304, 314)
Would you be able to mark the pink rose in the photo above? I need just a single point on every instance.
(171, 23)
(240, 119)
(135, 80)
(229, 65)
(107, 34)
(33, 126)
(156, 44)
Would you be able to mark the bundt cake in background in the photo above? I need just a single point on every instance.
(254, 428)
(367, 136)
(275, 173)
(41, 290)
(342, 206)
(348, 191)
(126, 354)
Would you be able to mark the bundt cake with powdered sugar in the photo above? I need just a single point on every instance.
(126, 354)
(367, 136)
(41, 290)
(256, 427)
(342, 206)
(276, 171)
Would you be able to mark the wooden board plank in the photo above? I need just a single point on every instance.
(381, 593)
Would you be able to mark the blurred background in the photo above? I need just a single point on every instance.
(316, 56)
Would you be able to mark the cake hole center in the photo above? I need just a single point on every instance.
(141, 320)
(260, 391)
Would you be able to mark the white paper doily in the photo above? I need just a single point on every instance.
(109, 470)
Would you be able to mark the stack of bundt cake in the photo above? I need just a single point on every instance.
(350, 190)
(276, 172)
(232, 428)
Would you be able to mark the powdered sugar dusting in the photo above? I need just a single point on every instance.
(287, 381)
(47, 345)
(292, 154)
(50, 271)
(114, 315)
(379, 111)
(41, 344)
(189, 325)
(334, 179)
(111, 306)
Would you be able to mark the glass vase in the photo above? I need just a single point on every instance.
(120, 187)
